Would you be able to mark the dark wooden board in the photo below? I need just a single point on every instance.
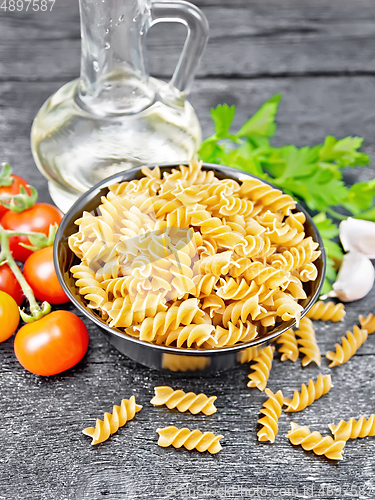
(320, 56)
(254, 39)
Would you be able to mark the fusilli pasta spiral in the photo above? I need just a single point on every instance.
(266, 196)
(327, 311)
(314, 441)
(183, 401)
(244, 332)
(288, 346)
(367, 323)
(307, 342)
(261, 368)
(350, 345)
(202, 441)
(165, 322)
(271, 411)
(249, 354)
(309, 394)
(112, 421)
(354, 429)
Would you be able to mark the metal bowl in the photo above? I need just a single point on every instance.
(161, 357)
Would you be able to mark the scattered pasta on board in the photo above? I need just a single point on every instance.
(309, 394)
(288, 346)
(112, 421)
(350, 345)
(201, 441)
(314, 441)
(261, 368)
(354, 429)
(327, 311)
(307, 342)
(367, 323)
(271, 410)
(183, 401)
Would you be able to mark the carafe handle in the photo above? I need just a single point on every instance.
(197, 25)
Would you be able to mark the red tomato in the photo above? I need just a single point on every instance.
(12, 189)
(9, 316)
(10, 285)
(52, 344)
(38, 219)
(40, 274)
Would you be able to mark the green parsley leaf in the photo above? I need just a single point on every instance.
(360, 197)
(367, 215)
(222, 116)
(263, 121)
(343, 152)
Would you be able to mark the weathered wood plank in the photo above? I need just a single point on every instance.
(43, 453)
(310, 110)
(247, 39)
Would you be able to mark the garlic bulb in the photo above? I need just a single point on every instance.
(358, 235)
(355, 278)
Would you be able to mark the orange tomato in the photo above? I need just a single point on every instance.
(40, 274)
(9, 316)
(52, 344)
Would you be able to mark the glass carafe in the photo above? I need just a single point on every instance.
(115, 116)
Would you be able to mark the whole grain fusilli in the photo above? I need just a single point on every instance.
(367, 323)
(350, 345)
(271, 411)
(309, 394)
(184, 401)
(307, 342)
(288, 346)
(185, 259)
(261, 368)
(202, 441)
(327, 311)
(112, 421)
(314, 441)
(354, 428)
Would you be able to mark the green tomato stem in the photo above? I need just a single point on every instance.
(6, 256)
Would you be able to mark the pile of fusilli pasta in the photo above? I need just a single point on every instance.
(189, 260)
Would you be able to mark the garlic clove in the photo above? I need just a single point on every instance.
(358, 235)
(355, 278)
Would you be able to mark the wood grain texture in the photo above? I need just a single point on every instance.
(320, 56)
(252, 40)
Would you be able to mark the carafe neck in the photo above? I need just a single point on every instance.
(113, 77)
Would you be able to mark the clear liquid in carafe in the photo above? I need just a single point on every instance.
(76, 148)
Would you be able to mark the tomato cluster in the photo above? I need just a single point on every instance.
(55, 342)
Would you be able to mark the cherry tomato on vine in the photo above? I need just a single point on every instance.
(10, 285)
(9, 316)
(40, 274)
(52, 344)
(37, 219)
(14, 188)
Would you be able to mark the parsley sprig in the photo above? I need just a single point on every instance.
(312, 175)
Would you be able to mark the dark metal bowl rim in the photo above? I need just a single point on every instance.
(125, 175)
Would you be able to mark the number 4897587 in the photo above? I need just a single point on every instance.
(20, 5)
